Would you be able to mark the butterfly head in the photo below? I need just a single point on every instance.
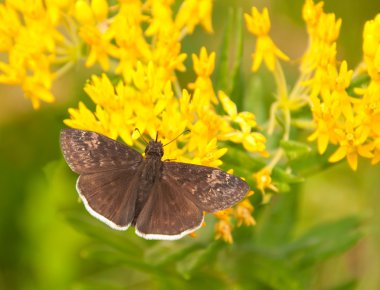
(154, 149)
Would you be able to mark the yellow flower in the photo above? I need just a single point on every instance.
(38, 89)
(318, 57)
(10, 26)
(99, 46)
(328, 28)
(130, 42)
(340, 81)
(162, 17)
(99, 9)
(259, 25)
(83, 118)
(223, 229)
(167, 54)
(204, 66)
(326, 123)
(243, 213)
(376, 151)
(83, 13)
(252, 141)
(193, 12)
(371, 47)
(264, 181)
(311, 13)
(351, 145)
(368, 107)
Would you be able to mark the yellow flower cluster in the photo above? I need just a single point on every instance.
(327, 86)
(368, 107)
(41, 39)
(142, 43)
(340, 119)
(118, 38)
(349, 122)
(30, 43)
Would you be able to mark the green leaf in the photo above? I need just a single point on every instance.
(279, 174)
(294, 149)
(163, 254)
(276, 225)
(350, 285)
(270, 272)
(222, 71)
(199, 258)
(228, 77)
(326, 240)
(312, 162)
(85, 223)
(115, 278)
(99, 286)
(222, 76)
(255, 98)
(112, 256)
(236, 87)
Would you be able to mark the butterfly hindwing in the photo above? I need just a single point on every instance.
(168, 214)
(211, 189)
(89, 152)
(110, 196)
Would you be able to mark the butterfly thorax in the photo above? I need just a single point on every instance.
(152, 165)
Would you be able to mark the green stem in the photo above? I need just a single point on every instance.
(272, 118)
(282, 103)
(177, 88)
(275, 159)
(278, 73)
(62, 70)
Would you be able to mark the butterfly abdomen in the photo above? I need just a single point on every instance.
(151, 172)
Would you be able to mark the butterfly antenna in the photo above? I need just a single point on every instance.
(184, 132)
(142, 137)
(156, 136)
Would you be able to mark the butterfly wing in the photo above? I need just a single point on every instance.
(110, 196)
(90, 152)
(211, 189)
(108, 182)
(168, 214)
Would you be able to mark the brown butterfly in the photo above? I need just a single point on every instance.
(163, 200)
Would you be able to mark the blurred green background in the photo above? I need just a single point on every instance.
(322, 234)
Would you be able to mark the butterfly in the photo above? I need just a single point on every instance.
(163, 200)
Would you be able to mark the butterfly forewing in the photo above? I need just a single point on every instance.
(168, 214)
(211, 189)
(89, 152)
(110, 196)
